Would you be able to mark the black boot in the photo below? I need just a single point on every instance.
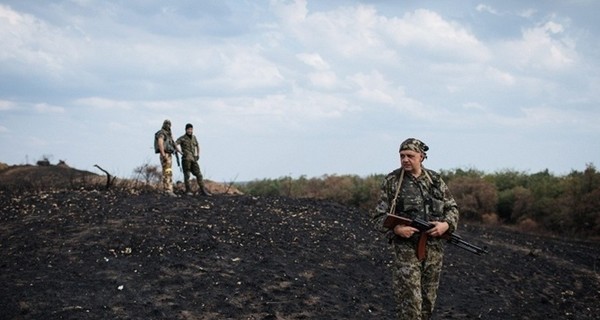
(202, 190)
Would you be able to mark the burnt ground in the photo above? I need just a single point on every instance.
(90, 254)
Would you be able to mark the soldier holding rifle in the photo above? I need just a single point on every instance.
(190, 149)
(414, 192)
(165, 146)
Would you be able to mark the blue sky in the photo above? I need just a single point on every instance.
(290, 88)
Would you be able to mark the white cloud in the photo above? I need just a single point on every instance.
(501, 77)
(290, 12)
(103, 103)
(6, 105)
(249, 69)
(543, 47)
(547, 116)
(527, 13)
(11, 16)
(350, 32)
(374, 87)
(474, 106)
(314, 60)
(429, 31)
(33, 45)
(486, 8)
(46, 108)
(325, 79)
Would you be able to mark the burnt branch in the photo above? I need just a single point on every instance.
(109, 178)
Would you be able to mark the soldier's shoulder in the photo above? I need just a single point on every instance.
(436, 178)
(433, 173)
(394, 174)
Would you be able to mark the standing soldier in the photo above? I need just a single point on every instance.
(164, 144)
(412, 191)
(191, 153)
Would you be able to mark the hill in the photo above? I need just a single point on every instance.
(46, 176)
(61, 176)
(117, 254)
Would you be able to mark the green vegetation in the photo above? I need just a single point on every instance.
(541, 202)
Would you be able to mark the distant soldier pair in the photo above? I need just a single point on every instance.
(188, 146)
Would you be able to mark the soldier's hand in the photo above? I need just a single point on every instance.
(439, 228)
(405, 231)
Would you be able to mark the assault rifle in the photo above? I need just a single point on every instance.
(393, 220)
(177, 157)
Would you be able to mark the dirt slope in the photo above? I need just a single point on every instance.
(28, 176)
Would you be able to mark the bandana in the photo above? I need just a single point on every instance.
(414, 145)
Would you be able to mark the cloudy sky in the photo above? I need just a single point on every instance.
(302, 87)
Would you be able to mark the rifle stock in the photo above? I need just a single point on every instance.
(392, 221)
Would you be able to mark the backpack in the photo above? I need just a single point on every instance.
(168, 143)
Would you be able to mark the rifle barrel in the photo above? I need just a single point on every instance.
(469, 247)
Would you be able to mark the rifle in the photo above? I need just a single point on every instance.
(393, 220)
(177, 157)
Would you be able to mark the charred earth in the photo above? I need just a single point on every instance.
(90, 254)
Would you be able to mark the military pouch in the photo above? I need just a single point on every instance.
(437, 207)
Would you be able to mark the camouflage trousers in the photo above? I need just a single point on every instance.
(190, 166)
(416, 282)
(167, 172)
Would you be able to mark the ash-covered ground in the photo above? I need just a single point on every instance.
(90, 254)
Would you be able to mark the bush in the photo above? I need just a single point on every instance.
(474, 196)
(567, 205)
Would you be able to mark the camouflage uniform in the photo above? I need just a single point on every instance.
(189, 148)
(427, 197)
(167, 161)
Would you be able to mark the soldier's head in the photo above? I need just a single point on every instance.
(167, 124)
(189, 129)
(412, 153)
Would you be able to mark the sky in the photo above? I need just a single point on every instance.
(302, 87)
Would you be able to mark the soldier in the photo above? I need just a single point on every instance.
(191, 153)
(164, 144)
(412, 191)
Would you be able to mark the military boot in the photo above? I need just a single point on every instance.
(203, 191)
(188, 190)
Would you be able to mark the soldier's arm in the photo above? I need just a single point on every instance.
(379, 213)
(450, 208)
(161, 146)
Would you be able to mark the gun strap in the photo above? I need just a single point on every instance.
(398, 187)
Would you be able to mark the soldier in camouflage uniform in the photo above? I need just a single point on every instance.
(412, 191)
(191, 153)
(164, 144)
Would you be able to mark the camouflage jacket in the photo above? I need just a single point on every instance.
(426, 197)
(189, 147)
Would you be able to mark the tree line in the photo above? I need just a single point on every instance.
(567, 205)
